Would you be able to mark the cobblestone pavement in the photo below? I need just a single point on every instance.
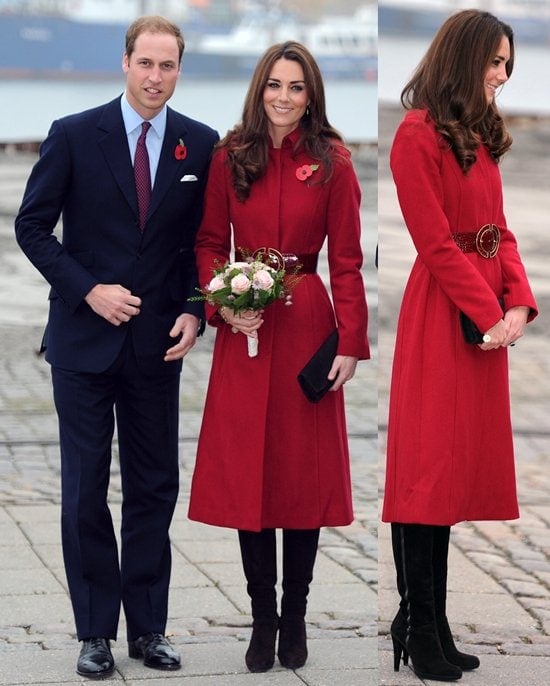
(499, 571)
(209, 610)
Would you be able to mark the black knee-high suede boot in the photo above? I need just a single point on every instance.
(299, 551)
(259, 557)
(400, 622)
(440, 556)
(414, 631)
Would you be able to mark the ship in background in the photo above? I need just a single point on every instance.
(84, 39)
(529, 19)
(344, 46)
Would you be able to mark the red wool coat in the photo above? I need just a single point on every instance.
(267, 457)
(449, 446)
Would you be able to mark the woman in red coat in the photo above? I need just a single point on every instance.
(449, 449)
(267, 457)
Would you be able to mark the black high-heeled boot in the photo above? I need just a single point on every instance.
(414, 632)
(440, 555)
(260, 655)
(299, 552)
(399, 626)
(259, 556)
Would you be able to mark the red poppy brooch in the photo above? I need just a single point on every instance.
(305, 171)
(180, 152)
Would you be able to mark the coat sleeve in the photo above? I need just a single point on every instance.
(43, 201)
(213, 243)
(345, 258)
(415, 160)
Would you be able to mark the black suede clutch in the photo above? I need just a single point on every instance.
(314, 376)
(469, 330)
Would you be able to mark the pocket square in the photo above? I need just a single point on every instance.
(188, 177)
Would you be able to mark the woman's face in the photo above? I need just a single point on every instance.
(285, 99)
(496, 75)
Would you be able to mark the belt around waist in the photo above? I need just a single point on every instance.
(486, 241)
(307, 262)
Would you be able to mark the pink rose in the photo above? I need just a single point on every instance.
(240, 284)
(262, 280)
(216, 284)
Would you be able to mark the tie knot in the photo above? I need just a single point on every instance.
(145, 126)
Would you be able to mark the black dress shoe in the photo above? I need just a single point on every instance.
(95, 660)
(156, 652)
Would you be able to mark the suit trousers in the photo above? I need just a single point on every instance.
(146, 410)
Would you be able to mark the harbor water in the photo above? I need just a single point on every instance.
(30, 105)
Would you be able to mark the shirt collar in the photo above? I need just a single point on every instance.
(133, 120)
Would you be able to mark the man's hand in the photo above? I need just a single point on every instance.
(186, 326)
(113, 302)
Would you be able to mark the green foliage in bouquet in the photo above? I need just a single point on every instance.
(248, 285)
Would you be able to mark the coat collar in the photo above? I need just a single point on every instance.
(290, 140)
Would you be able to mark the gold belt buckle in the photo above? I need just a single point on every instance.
(488, 240)
(272, 257)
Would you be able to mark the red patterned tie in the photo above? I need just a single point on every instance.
(142, 175)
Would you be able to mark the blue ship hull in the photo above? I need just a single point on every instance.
(56, 47)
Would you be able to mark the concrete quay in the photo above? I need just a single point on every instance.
(209, 618)
(499, 572)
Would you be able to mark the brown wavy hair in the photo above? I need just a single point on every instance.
(152, 24)
(449, 83)
(248, 142)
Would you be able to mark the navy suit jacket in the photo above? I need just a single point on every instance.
(85, 174)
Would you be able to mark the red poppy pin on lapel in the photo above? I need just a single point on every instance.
(180, 152)
(305, 171)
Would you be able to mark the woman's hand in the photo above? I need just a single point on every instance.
(247, 321)
(507, 331)
(498, 334)
(343, 369)
(516, 319)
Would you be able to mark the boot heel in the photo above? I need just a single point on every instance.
(398, 650)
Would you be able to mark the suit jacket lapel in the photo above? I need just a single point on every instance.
(168, 166)
(114, 144)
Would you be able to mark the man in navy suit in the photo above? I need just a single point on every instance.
(119, 325)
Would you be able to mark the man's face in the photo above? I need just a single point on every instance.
(151, 72)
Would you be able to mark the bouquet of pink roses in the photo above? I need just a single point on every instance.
(252, 284)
